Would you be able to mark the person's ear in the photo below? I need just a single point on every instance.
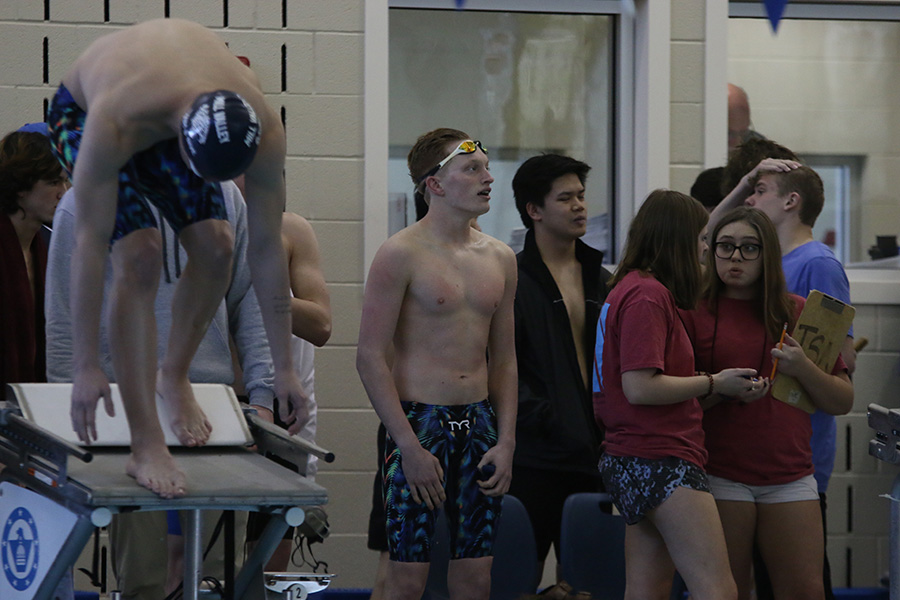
(792, 201)
(434, 185)
(533, 211)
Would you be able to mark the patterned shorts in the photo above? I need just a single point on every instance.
(458, 436)
(155, 176)
(638, 485)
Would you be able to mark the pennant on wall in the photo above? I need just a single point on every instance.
(459, 4)
(774, 9)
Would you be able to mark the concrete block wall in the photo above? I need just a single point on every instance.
(858, 514)
(686, 144)
(319, 85)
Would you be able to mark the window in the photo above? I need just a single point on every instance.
(826, 86)
(523, 82)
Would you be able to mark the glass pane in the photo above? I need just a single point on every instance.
(522, 83)
(830, 89)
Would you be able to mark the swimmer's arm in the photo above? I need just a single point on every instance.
(96, 191)
(95, 179)
(311, 304)
(503, 381)
(244, 316)
(264, 183)
(385, 290)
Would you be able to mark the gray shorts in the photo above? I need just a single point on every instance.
(803, 489)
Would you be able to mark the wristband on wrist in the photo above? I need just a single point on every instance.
(712, 384)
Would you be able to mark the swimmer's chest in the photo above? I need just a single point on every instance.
(476, 286)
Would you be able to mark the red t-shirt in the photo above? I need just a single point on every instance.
(644, 331)
(765, 442)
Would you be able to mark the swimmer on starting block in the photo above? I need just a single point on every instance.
(159, 113)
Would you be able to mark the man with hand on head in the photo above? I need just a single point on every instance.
(158, 114)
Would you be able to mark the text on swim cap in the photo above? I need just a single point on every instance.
(219, 120)
(199, 126)
(251, 138)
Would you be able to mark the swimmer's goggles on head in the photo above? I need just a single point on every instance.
(465, 147)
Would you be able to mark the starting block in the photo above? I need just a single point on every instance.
(54, 491)
(886, 447)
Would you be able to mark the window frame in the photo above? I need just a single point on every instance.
(626, 172)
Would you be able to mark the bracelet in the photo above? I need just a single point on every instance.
(712, 383)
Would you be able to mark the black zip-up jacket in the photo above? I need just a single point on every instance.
(555, 426)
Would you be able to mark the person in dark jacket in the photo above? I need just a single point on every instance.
(562, 286)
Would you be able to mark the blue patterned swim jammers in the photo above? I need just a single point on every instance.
(458, 436)
(157, 175)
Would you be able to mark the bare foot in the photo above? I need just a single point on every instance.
(157, 472)
(186, 418)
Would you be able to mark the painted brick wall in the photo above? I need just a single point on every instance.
(686, 145)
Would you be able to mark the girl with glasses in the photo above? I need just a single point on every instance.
(645, 397)
(760, 463)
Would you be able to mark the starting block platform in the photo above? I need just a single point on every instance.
(54, 491)
(886, 447)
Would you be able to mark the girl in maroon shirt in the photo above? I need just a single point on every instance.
(645, 397)
(760, 463)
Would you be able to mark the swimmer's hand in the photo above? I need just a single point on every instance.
(497, 483)
(293, 403)
(424, 476)
(88, 387)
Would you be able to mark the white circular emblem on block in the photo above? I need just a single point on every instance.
(19, 547)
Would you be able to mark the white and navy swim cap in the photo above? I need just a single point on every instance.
(221, 135)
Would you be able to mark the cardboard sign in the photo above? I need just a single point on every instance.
(820, 330)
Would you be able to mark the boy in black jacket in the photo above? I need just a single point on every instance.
(562, 286)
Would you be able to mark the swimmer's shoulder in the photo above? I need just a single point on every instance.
(397, 254)
(495, 247)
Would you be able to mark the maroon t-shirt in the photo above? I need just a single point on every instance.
(643, 330)
(765, 442)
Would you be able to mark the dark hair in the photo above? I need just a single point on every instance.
(25, 158)
(707, 187)
(534, 180)
(777, 307)
(663, 240)
(745, 157)
(426, 153)
(807, 184)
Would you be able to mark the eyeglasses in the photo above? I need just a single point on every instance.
(465, 147)
(725, 250)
